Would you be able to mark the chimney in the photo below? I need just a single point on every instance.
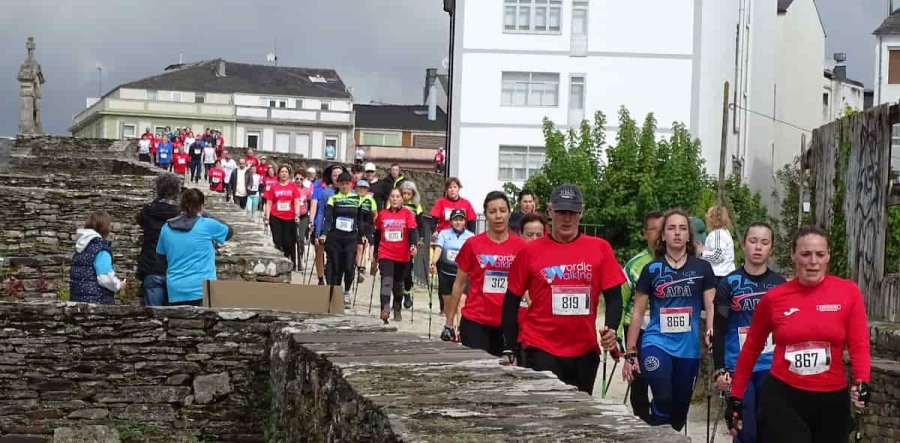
(220, 68)
(432, 102)
(430, 77)
(840, 72)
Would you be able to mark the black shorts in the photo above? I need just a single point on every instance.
(445, 283)
(478, 336)
(580, 371)
(791, 415)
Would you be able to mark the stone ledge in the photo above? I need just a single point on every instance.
(885, 339)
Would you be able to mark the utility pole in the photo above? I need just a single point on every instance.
(800, 181)
(99, 80)
(723, 153)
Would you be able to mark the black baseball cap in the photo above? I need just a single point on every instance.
(344, 177)
(567, 197)
(457, 213)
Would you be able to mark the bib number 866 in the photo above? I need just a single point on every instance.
(675, 321)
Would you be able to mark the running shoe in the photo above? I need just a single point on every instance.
(398, 315)
(384, 316)
(449, 334)
(407, 300)
(346, 298)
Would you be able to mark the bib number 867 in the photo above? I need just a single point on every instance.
(804, 360)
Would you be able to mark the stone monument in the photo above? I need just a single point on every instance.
(30, 80)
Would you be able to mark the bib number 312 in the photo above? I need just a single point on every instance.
(494, 282)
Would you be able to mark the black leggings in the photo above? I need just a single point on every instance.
(791, 415)
(392, 275)
(284, 234)
(575, 371)
(408, 278)
(206, 168)
(340, 256)
(478, 336)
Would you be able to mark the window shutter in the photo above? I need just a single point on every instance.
(894, 68)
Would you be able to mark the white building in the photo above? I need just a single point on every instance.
(517, 61)
(840, 92)
(269, 108)
(887, 60)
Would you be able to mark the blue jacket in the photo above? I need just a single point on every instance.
(165, 153)
(83, 285)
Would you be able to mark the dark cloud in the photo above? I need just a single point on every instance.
(849, 25)
(380, 48)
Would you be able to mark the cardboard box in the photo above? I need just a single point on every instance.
(272, 296)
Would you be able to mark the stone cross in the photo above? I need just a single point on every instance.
(30, 79)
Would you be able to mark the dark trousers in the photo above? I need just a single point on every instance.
(340, 259)
(284, 234)
(206, 168)
(195, 171)
(671, 381)
(575, 371)
(478, 336)
(241, 201)
(788, 414)
(186, 303)
(392, 274)
(144, 158)
(302, 232)
(640, 391)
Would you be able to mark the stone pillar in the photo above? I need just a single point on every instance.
(30, 79)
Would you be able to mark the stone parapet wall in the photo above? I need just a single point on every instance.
(193, 374)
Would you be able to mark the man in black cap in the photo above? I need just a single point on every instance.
(564, 274)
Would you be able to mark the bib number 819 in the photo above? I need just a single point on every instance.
(570, 302)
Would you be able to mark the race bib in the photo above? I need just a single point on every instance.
(393, 236)
(215, 180)
(571, 300)
(344, 224)
(302, 201)
(451, 255)
(675, 320)
(447, 214)
(494, 282)
(196, 152)
(767, 349)
(163, 155)
(810, 358)
(254, 188)
(180, 161)
(283, 206)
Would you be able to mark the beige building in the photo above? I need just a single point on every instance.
(268, 108)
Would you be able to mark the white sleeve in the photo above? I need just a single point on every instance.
(716, 246)
(110, 281)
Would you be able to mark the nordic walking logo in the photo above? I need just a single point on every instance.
(572, 271)
(394, 223)
(495, 261)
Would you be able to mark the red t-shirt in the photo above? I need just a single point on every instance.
(438, 158)
(216, 179)
(220, 141)
(251, 160)
(487, 263)
(811, 326)
(282, 197)
(565, 282)
(179, 163)
(261, 169)
(443, 206)
(392, 227)
(268, 182)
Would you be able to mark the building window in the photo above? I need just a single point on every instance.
(253, 140)
(129, 131)
(580, 18)
(298, 104)
(151, 95)
(380, 139)
(894, 67)
(538, 16)
(518, 163)
(325, 106)
(826, 115)
(159, 130)
(176, 96)
(199, 98)
(277, 103)
(576, 92)
(530, 89)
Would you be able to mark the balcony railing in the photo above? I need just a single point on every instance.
(155, 107)
(343, 118)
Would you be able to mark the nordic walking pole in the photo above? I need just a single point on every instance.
(430, 311)
(372, 294)
(627, 390)
(611, 375)
(363, 262)
(718, 416)
(603, 379)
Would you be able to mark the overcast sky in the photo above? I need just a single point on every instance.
(381, 52)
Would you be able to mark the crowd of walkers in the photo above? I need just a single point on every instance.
(529, 289)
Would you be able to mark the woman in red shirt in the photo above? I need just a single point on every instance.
(812, 319)
(180, 162)
(270, 178)
(217, 178)
(396, 234)
(283, 212)
(483, 263)
(446, 204)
